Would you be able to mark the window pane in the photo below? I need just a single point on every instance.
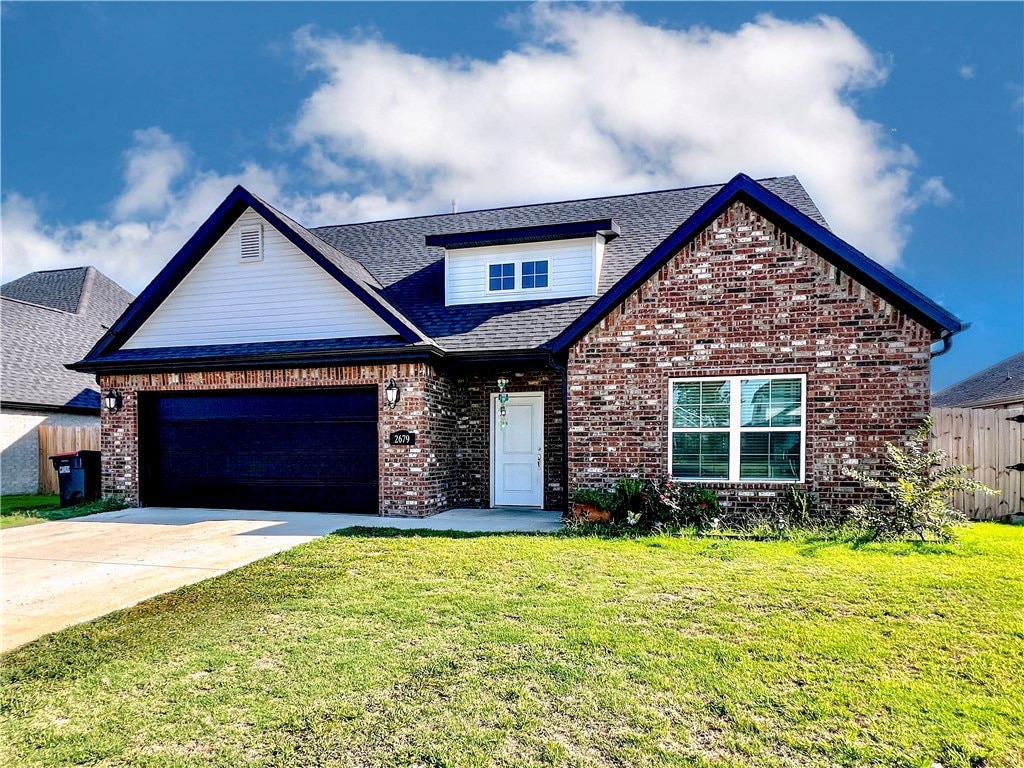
(700, 455)
(770, 403)
(502, 277)
(535, 274)
(700, 404)
(770, 456)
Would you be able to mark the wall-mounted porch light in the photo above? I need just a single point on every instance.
(112, 401)
(392, 394)
(502, 399)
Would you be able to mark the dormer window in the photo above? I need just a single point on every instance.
(543, 262)
(502, 277)
(535, 274)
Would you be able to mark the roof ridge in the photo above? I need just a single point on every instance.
(37, 306)
(547, 203)
(87, 285)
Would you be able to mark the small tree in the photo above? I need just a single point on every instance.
(916, 493)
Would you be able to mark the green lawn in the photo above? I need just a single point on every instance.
(375, 648)
(37, 508)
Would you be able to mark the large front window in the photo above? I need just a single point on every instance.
(735, 428)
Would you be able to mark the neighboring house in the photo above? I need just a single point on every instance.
(719, 334)
(1001, 386)
(49, 319)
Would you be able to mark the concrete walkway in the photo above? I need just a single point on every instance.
(64, 572)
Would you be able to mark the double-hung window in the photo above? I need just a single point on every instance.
(737, 428)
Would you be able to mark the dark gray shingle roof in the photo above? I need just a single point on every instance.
(1000, 382)
(49, 319)
(411, 274)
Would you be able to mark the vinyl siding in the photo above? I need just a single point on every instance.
(571, 271)
(284, 297)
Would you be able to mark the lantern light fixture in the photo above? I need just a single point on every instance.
(502, 399)
(112, 400)
(392, 394)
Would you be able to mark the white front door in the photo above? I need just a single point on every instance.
(517, 451)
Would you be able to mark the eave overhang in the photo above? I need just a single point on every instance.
(537, 234)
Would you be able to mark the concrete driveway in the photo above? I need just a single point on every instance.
(64, 572)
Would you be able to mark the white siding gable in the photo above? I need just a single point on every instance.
(574, 268)
(285, 296)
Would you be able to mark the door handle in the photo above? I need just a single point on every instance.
(539, 462)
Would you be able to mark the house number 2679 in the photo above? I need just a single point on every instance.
(403, 437)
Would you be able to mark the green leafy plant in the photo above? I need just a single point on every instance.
(594, 497)
(681, 504)
(634, 501)
(797, 508)
(915, 492)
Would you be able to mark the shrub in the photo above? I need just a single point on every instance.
(594, 497)
(915, 492)
(681, 505)
(633, 501)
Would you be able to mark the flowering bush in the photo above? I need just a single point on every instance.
(646, 505)
(680, 504)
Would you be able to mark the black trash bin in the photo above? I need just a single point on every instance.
(79, 476)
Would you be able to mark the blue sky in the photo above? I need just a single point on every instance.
(124, 124)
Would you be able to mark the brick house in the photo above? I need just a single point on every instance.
(506, 357)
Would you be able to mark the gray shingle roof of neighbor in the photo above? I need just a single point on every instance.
(411, 273)
(49, 319)
(1001, 382)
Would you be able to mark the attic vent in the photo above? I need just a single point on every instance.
(251, 243)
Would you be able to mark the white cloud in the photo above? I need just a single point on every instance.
(153, 163)
(596, 102)
(966, 71)
(133, 245)
(593, 102)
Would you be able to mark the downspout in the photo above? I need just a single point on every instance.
(563, 370)
(947, 340)
(947, 344)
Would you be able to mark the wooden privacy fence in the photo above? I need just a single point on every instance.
(54, 440)
(990, 443)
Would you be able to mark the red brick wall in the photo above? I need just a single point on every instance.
(744, 298)
(448, 467)
(414, 480)
(474, 419)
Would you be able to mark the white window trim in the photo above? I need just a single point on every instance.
(735, 431)
(519, 269)
(517, 277)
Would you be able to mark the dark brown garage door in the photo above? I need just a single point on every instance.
(310, 451)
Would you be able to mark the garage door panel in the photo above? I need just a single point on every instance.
(313, 450)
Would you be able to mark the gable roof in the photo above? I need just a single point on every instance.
(1000, 383)
(49, 319)
(399, 264)
(798, 225)
(352, 275)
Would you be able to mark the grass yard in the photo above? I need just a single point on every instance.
(379, 648)
(21, 510)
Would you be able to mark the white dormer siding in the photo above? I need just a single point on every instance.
(282, 296)
(573, 268)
